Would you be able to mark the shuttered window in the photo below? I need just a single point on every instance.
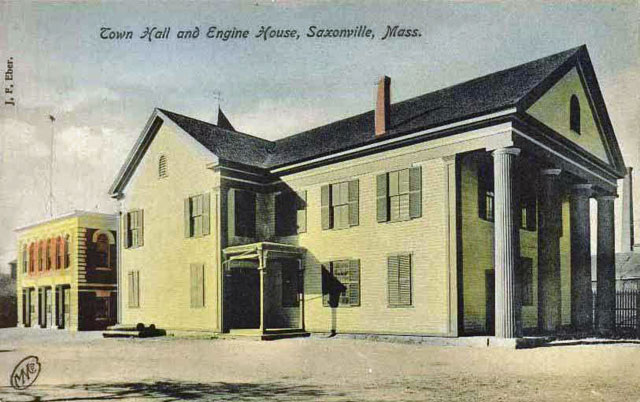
(399, 195)
(196, 215)
(291, 213)
(341, 283)
(340, 205)
(526, 281)
(60, 252)
(67, 251)
(486, 200)
(134, 288)
(162, 166)
(241, 209)
(197, 285)
(133, 229)
(399, 280)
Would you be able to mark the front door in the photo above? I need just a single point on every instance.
(32, 306)
(490, 288)
(244, 300)
(47, 306)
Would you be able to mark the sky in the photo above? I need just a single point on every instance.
(101, 92)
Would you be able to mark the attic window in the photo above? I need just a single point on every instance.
(574, 114)
(162, 166)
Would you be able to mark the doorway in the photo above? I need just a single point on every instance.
(48, 320)
(490, 308)
(244, 298)
(62, 306)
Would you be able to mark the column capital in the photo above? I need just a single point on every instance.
(551, 172)
(606, 197)
(510, 151)
(585, 190)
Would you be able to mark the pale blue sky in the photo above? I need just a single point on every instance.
(102, 92)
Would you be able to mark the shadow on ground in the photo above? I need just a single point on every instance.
(177, 391)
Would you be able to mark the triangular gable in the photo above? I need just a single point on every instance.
(550, 105)
(156, 120)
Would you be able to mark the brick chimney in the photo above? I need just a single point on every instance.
(383, 104)
(627, 212)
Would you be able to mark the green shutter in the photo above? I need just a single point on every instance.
(325, 207)
(354, 282)
(125, 230)
(141, 227)
(325, 271)
(382, 187)
(192, 282)
(187, 217)
(301, 211)
(206, 208)
(231, 213)
(404, 279)
(197, 285)
(353, 203)
(392, 280)
(415, 192)
(130, 288)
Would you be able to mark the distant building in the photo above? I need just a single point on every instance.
(67, 272)
(458, 212)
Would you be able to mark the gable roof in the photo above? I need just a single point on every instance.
(516, 87)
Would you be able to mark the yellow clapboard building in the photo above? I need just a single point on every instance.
(459, 212)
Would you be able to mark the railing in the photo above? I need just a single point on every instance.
(627, 310)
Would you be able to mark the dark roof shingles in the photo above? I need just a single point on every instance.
(482, 95)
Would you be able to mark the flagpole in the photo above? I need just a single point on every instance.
(50, 203)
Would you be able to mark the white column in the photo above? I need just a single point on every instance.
(606, 292)
(581, 293)
(505, 244)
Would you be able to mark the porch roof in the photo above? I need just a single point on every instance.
(257, 250)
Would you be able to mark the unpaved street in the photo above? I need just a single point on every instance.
(86, 367)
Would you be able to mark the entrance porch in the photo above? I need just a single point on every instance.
(263, 290)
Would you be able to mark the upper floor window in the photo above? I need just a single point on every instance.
(162, 166)
(291, 213)
(340, 205)
(42, 254)
(399, 195)
(485, 192)
(32, 257)
(103, 251)
(67, 251)
(133, 229)
(574, 114)
(59, 252)
(241, 206)
(24, 259)
(196, 215)
(50, 254)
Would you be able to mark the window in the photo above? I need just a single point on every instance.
(486, 205)
(241, 208)
(24, 259)
(197, 285)
(32, 257)
(341, 283)
(50, 254)
(67, 252)
(526, 281)
(59, 253)
(103, 253)
(290, 285)
(399, 280)
(162, 166)
(291, 213)
(528, 210)
(133, 229)
(196, 215)
(339, 205)
(399, 195)
(134, 288)
(574, 114)
(42, 255)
